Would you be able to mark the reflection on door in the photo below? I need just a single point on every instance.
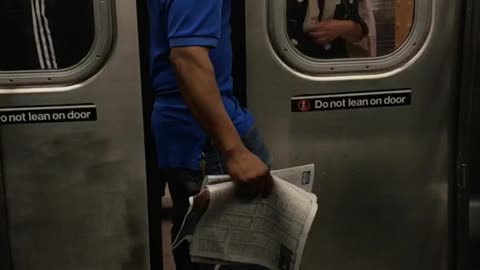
(327, 29)
(45, 35)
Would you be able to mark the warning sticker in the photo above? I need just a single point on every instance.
(349, 101)
(48, 114)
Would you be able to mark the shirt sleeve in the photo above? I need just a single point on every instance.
(354, 15)
(194, 22)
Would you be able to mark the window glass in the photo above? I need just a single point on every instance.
(330, 29)
(45, 34)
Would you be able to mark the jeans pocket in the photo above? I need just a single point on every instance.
(214, 164)
(255, 143)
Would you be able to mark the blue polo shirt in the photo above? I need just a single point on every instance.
(179, 23)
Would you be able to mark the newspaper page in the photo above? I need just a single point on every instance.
(270, 232)
(300, 176)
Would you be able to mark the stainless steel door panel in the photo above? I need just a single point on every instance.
(76, 192)
(382, 174)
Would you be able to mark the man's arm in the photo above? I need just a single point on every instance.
(358, 28)
(329, 30)
(352, 31)
(196, 79)
(352, 28)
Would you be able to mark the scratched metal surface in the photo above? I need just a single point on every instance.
(76, 192)
(382, 174)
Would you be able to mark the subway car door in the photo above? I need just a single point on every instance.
(378, 122)
(73, 188)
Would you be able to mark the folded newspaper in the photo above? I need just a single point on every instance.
(270, 232)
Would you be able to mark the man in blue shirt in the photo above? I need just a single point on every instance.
(196, 118)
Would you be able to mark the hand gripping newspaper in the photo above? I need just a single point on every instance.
(269, 232)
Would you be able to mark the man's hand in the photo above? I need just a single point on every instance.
(201, 200)
(249, 173)
(327, 31)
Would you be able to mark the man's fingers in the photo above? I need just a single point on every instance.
(245, 194)
(320, 37)
(246, 189)
(268, 186)
(316, 27)
(257, 185)
(321, 41)
(201, 200)
(317, 34)
(261, 184)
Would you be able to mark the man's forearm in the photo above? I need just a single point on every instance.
(196, 79)
(352, 31)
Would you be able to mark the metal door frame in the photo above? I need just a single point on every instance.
(155, 186)
(469, 100)
(5, 253)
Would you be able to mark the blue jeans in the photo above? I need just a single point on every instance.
(184, 183)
